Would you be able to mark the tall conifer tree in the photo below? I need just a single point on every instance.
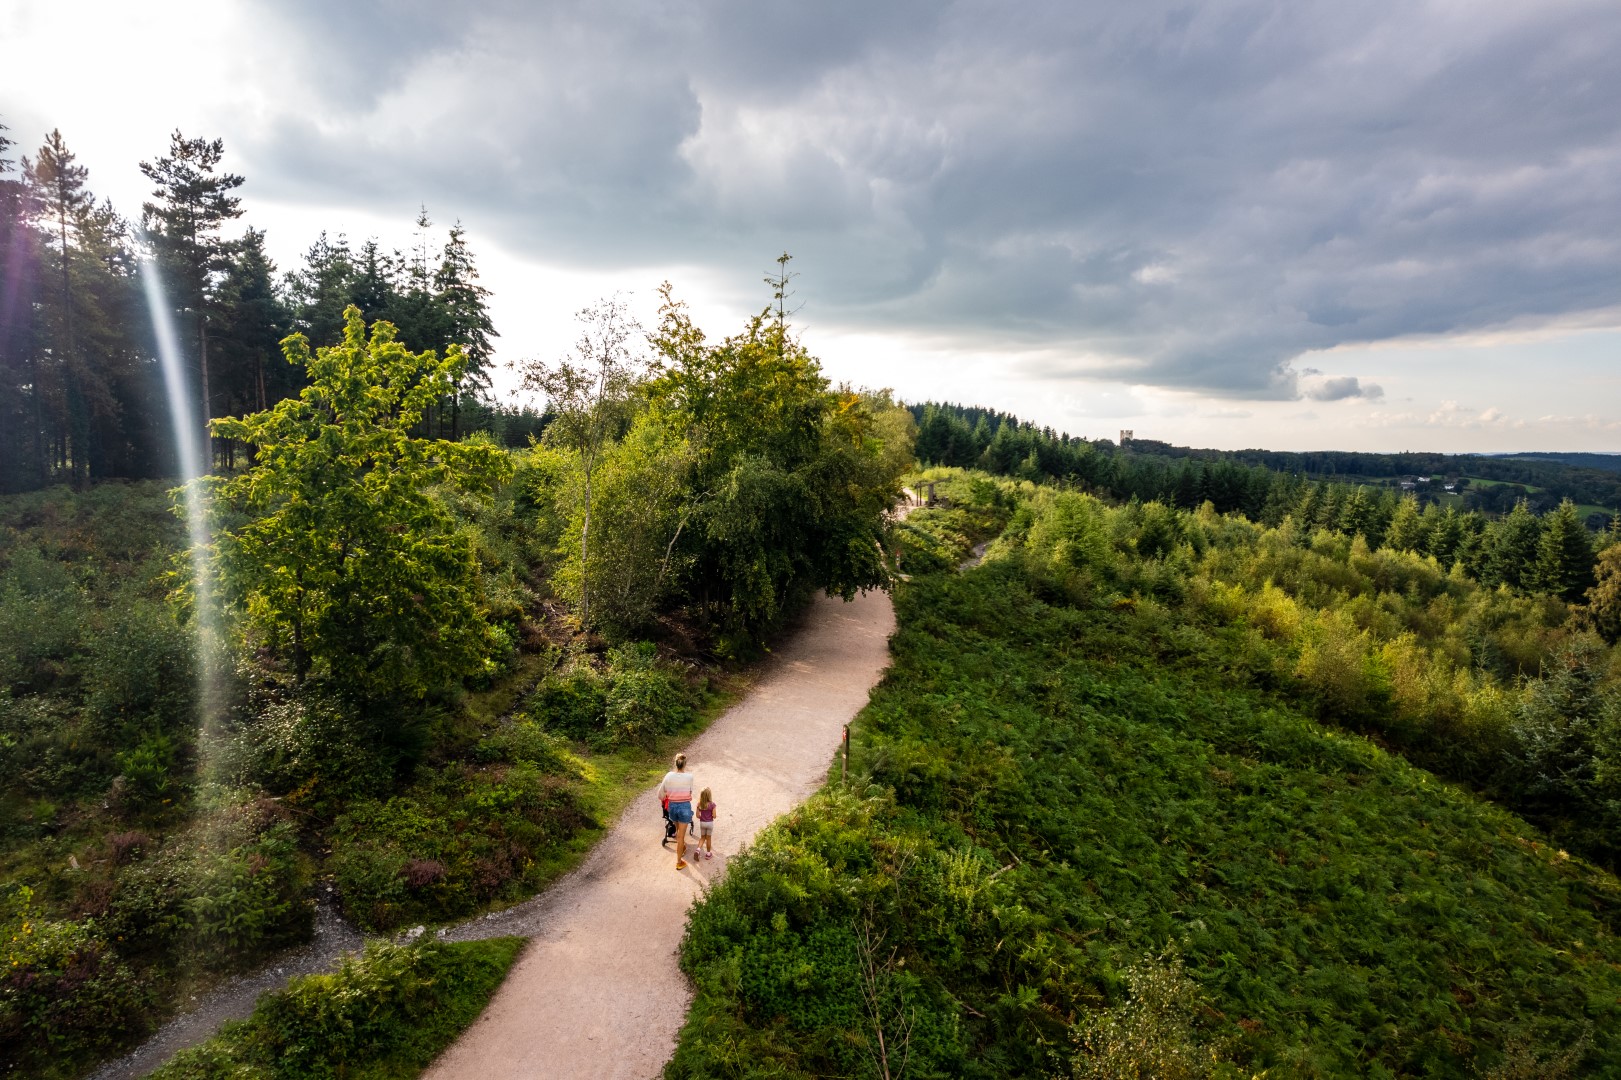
(193, 203)
(466, 318)
(60, 200)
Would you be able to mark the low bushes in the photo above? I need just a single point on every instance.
(64, 993)
(229, 888)
(1048, 790)
(460, 838)
(629, 700)
(223, 892)
(384, 1014)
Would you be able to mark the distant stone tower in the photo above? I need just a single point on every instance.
(1126, 435)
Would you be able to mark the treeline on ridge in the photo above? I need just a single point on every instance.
(1554, 552)
(1001, 443)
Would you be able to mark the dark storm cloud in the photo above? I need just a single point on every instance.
(1184, 195)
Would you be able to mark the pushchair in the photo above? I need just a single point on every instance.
(669, 826)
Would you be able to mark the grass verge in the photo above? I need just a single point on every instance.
(383, 1015)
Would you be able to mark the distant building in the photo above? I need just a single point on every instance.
(1126, 434)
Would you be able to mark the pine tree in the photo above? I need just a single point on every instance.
(194, 202)
(22, 448)
(1510, 549)
(1564, 555)
(1406, 532)
(375, 290)
(57, 189)
(1187, 486)
(414, 310)
(83, 351)
(462, 301)
(253, 321)
(321, 291)
(1357, 512)
(1305, 510)
(1328, 509)
(1445, 534)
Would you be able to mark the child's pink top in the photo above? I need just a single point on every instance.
(706, 813)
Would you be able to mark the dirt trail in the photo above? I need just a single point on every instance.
(597, 992)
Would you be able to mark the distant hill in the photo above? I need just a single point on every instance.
(1605, 462)
(973, 437)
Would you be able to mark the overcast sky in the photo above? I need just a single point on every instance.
(1393, 224)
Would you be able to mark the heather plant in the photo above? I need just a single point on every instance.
(460, 837)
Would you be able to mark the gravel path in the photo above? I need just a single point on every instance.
(597, 993)
(235, 999)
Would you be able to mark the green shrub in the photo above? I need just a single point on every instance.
(42, 620)
(139, 675)
(65, 995)
(384, 1014)
(572, 702)
(459, 839)
(646, 698)
(1154, 1033)
(149, 769)
(631, 700)
(226, 890)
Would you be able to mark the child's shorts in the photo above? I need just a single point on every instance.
(705, 828)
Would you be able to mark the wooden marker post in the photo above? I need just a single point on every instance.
(844, 762)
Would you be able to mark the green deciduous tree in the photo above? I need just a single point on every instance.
(789, 476)
(639, 509)
(593, 398)
(1604, 598)
(348, 564)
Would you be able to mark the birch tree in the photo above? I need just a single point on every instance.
(592, 394)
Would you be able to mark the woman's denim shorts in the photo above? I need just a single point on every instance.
(682, 812)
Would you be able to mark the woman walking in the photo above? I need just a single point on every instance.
(677, 787)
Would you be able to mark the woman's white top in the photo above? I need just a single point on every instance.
(676, 786)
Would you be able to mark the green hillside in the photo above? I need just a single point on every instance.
(1092, 768)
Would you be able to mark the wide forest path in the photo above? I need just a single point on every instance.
(598, 993)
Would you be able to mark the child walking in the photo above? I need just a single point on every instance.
(706, 823)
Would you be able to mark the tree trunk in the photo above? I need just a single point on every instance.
(75, 402)
(41, 463)
(585, 553)
(202, 355)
